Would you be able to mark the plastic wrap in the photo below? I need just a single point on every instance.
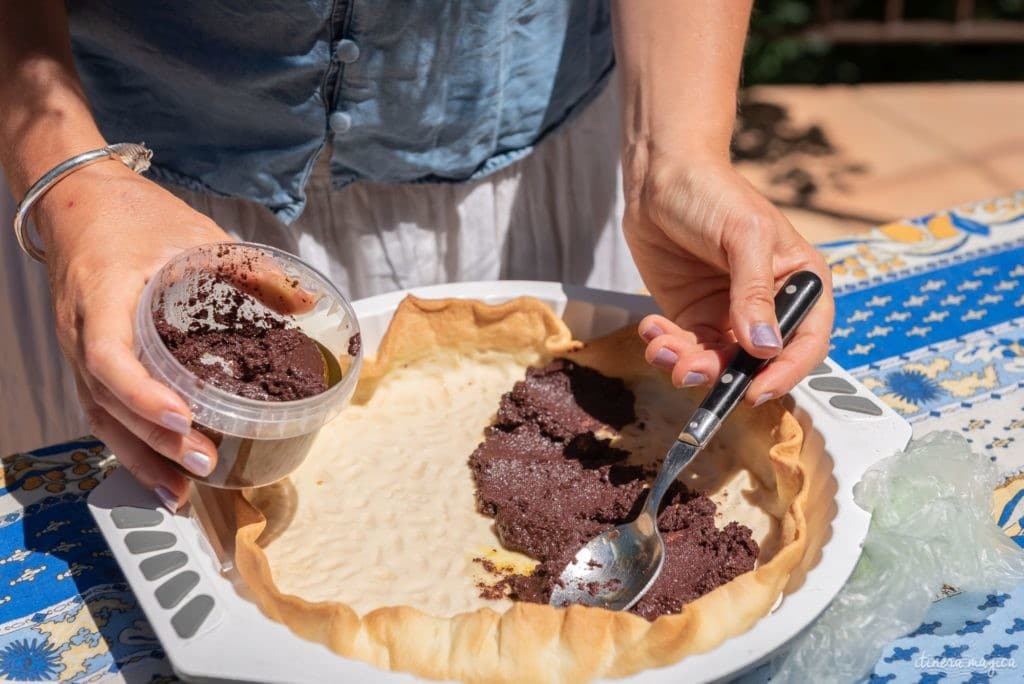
(931, 526)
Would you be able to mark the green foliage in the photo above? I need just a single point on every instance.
(778, 53)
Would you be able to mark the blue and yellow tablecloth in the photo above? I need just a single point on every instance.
(930, 317)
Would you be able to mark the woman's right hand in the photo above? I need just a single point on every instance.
(106, 231)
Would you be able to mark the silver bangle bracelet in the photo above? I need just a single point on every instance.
(135, 156)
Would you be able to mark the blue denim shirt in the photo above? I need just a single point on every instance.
(239, 97)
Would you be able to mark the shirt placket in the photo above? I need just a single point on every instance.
(344, 51)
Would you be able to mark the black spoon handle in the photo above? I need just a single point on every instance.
(792, 303)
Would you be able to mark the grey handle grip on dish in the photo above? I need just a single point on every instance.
(792, 303)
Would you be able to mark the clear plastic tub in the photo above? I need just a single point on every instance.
(258, 442)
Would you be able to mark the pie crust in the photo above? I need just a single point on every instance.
(531, 642)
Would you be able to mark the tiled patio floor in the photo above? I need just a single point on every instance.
(839, 159)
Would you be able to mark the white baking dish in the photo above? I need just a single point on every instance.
(235, 642)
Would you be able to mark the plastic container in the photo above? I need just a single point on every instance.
(258, 442)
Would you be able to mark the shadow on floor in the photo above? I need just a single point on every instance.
(799, 160)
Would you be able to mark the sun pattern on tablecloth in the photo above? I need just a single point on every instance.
(66, 613)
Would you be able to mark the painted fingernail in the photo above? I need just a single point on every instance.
(651, 331)
(175, 422)
(693, 379)
(198, 462)
(763, 398)
(167, 498)
(764, 335)
(665, 358)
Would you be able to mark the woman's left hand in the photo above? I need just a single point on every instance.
(712, 251)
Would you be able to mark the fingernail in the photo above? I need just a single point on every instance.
(167, 498)
(175, 422)
(651, 331)
(693, 379)
(198, 463)
(764, 335)
(665, 358)
(763, 398)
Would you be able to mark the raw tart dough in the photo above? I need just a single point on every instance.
(369, 547)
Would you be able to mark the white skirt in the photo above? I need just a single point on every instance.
(554, 215)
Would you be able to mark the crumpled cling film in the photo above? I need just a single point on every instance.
(931, 525)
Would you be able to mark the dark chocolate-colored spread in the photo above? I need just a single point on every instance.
(244, 350)
(355, 344)
(275, 364)
(549, 476)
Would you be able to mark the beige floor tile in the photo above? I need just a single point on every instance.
(962, 118)
(892, 151)
(1009, 163)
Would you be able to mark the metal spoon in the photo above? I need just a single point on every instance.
(615, 569)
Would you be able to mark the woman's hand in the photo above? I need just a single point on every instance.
(106, 231)
(709, 247)
(712, 251)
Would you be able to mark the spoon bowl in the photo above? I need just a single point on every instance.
(614, 569)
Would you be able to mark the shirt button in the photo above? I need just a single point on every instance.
(340, 122)
(347, 51)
